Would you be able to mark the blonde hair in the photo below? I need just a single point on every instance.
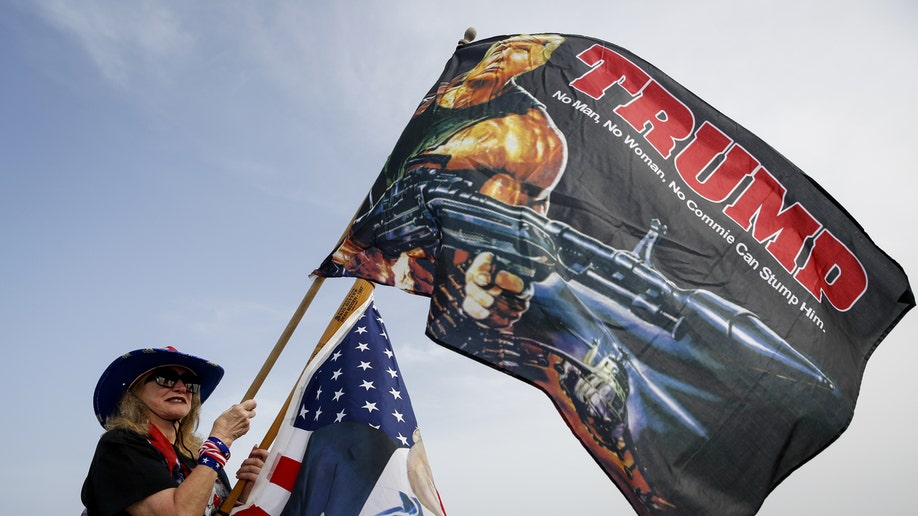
(132, 414)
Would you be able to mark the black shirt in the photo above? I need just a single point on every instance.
(125, 469)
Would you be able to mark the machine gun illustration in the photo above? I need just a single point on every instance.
(432, 208)
(441, 214)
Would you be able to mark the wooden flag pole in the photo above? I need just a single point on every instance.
(360, 292)
(283, 339)
(365, 289)
(354, 298)
(291, 325)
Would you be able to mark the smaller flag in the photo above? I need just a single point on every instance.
(350, 442)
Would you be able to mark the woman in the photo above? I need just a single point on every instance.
(150, 461)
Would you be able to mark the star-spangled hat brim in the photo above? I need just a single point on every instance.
(127, 368)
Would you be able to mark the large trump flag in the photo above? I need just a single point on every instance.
(349, 444)
(698, 309)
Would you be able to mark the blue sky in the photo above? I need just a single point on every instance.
(170, 172)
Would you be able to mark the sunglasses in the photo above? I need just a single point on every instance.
(168, 378)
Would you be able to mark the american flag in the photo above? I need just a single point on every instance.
(360, 382)
(354, 379)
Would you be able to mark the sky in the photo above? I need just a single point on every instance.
(171, 172)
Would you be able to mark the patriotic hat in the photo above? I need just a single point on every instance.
(126, 369)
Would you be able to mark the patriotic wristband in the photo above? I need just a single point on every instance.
(213, 454)
(211, 462)
(224, 449)
(209, 448)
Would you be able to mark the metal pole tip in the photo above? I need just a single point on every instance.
(469, 36)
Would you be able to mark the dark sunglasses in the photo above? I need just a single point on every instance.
(168, 378)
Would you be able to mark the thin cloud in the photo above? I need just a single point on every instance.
(126, 41)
